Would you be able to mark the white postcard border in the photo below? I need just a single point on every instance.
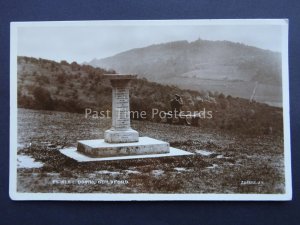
(14, 195)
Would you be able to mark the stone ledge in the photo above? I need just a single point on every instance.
(79, 157)
(100, 148)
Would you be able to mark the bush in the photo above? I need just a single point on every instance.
(43, 99)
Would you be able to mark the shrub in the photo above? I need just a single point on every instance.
(43, 99)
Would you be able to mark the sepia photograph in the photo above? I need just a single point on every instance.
(150, 110)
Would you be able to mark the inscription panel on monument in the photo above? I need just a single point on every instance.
(121, 107)
(123, 137)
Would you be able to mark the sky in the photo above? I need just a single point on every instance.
(82, 43)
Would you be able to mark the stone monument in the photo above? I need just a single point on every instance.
(120, 141)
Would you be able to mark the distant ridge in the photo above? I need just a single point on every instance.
(227, 67)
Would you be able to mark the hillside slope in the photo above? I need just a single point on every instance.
(223, 66)
(49, 85)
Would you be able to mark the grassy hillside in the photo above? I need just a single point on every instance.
(49, 85)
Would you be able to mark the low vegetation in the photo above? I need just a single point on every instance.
(235, 163)
(49, 85)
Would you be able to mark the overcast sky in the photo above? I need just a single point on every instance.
(84, 43)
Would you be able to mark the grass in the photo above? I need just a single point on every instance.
(237, 163)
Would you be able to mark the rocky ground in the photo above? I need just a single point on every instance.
(223, 162)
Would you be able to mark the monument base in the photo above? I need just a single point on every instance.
(144, 146)
(126, 136)
(80, 157)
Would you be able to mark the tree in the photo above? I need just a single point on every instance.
(74, 66)
(64, 62)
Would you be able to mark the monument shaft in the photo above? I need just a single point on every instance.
(120, 131)
(120, 108)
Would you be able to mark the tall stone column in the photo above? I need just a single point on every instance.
(120, 132)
